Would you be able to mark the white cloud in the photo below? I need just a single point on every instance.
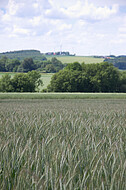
(123, 36)
(100, 35)
(29, 8)
(17, 30)
(65, 27)
(85, 26)
(80, 9)
(55, 13)
(35, 21)
(90, 11)
(122, 29)
(13, 7)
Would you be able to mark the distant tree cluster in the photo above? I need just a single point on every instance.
(22, 54)
(26, 65)
(119, 61)
(100, 77)
(21, 82)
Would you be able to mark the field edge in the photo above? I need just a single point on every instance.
(62, 95)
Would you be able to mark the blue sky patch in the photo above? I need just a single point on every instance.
(3, 10)
(122, 9)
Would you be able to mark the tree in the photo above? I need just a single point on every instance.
(6, 83)
(12, 65)
(103, 77)
(74, 66)
(2, 66)
(21, 82)
(29, 82)
(50, 68)
(65, 81)
(27, 65)
(57, 64)
(3, 61)
(35, 79)
(109, 77)
(122, 86)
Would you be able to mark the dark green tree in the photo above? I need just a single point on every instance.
(122, 86)
(57, 64)
(29, 82)
(27, 65)
(65, 81)
(103, 77)
(109, 77)
(3, 61)
(50, 68)
(21, 82)
(12, 65)
(6, 83)
(2, 66)
(74, 66)
(35, 80)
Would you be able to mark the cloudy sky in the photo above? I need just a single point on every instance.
(84, 27)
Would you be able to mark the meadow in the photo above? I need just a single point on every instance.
(69, 144)
(80, 59)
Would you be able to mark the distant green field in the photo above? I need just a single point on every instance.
(80, 59)
(46, 77)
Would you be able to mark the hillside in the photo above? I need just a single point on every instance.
(37, 55)
(22, 54)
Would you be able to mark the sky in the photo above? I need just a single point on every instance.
(83, 27)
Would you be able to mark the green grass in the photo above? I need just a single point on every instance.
(80, 59)
(10, 73)
(62, 95)
(63, 144)
(46, 78)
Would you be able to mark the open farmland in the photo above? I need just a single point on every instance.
(80, 59)
(63, 144)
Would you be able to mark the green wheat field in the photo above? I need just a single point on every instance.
(62, 144)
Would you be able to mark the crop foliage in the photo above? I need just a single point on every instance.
(63, 144)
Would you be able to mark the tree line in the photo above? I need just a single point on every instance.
(21, 82)
(75, 77)
(100, 77)
(22, 54)
(28, 64)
